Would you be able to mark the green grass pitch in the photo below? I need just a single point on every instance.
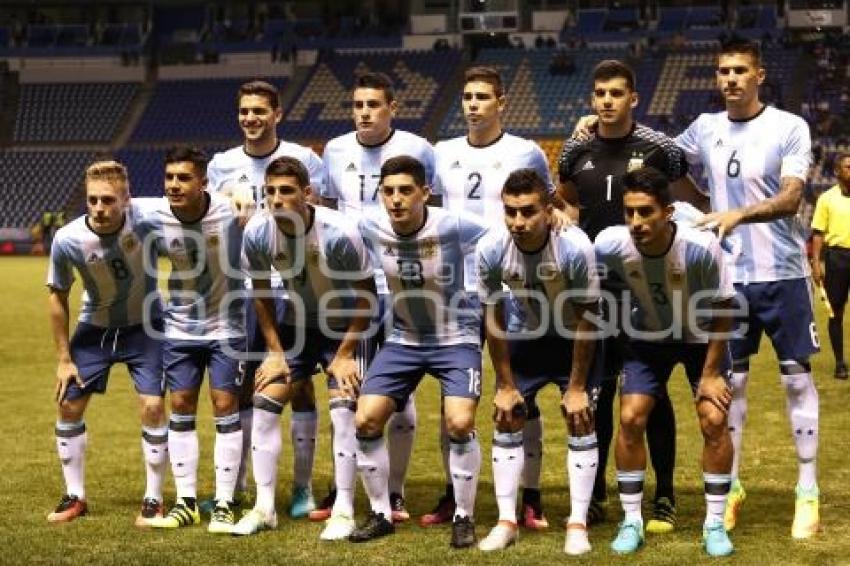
(32, 483)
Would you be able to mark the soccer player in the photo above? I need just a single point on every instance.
(831, 225)
(105, 247)
(590, 171)
(239, 173)
(470, 173)
(757, 158)
(204, 331)
(319, 255)
(435, 330)
(680, 296)
(553, 281)
(352, 169)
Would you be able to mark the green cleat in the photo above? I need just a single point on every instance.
(185, 513)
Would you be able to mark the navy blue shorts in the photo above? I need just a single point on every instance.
(649, 365)
(397, 370)
(782, 310)
(95, 349)
(185, 361)
(318, 350)
(549, 359)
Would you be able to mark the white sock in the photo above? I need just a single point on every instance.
(803, 408)
(345, 454)
(265, 450)
(373, 463)
(582, 461)
(401, 432)
(71, 441)
(245, 419)
(532, 444)
(155, 452)
(737, 417)
(507, 467)
(184, 452)
(716, 489)
(302, 428)
(464, 465)
(444, 449)
(631, 493)
(227, 454)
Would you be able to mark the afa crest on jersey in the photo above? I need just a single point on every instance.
(129, 242)
(429, 247)
(634, 164)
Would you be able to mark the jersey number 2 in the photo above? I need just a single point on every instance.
(474, 182)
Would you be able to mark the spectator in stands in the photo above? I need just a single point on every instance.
(562, 64)
(538, 42)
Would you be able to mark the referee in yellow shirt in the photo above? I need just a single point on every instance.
(831, 224)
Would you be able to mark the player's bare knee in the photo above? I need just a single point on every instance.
(633, 420)
(184, 402)
(459, 425)
(71, 411)
(224, 403)
(713, 422)
(368, 425)
(152, 410)
(515, 425)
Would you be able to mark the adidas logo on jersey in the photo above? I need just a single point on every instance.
(588, 166)
(455, 165)
(243, 178)
(718, 143)
(351, 167)
(93, 258)
(176, 244)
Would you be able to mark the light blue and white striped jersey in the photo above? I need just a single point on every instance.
(353, 173)
(325, 260)
(234, 167)
(206, 284)
(425, 276)
(470, 179)
(668, 290)
(353, 170)
(744, 162)
(112, 268)
(562, 273)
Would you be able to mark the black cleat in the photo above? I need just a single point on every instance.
(375, 526)
(463, 532)
(597, 511)
(400, 514)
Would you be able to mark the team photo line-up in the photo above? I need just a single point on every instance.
(388, 258)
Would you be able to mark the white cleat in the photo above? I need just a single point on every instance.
(253, 522)
(576, 542)
(337, 527)
(503, 535)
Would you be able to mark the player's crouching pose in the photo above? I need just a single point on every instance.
(324, 266)
(105, 247)
(421, 250)
(204, 330)
(547, 339)
(680, 313)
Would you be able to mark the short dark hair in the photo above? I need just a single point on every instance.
(378, 81)
(404, 164)
(260, 88)
(745, 46)
(289, 167)
(181, 153)
(485, 74)
(614, 69)
(526, 182)
(648, 180)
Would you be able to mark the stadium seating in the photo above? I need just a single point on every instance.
(38, 181)
(72, 112)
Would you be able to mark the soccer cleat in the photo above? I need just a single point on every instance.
(323, 510)
(715, 539)
(338, 527)
(207, 506)
(443, 512)
(223, 518)
(399, 512)
(597, 511)
(70, 507)
(663, 517)
(151, 510)
(254, 521)
(183, 514)
(463, 532)
(576, 542)
(503, 535)
(302, 502)
(375, 526)
(533, 518)
(629, 537)
(806, 513)
(734, 500)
